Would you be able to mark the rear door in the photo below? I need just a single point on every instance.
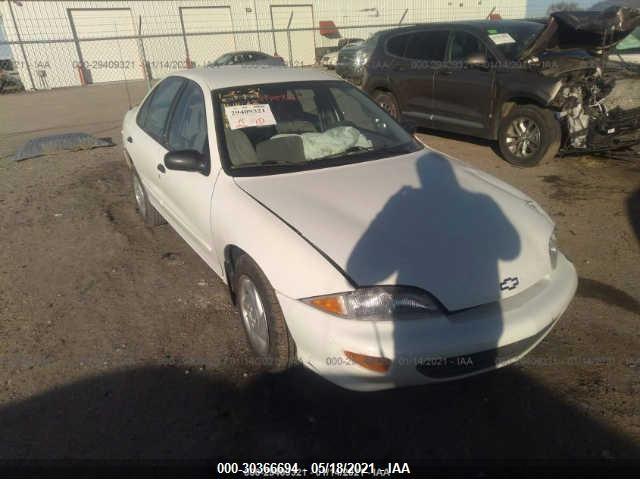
(424, 54)
(463, 93)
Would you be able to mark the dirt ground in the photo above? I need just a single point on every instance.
(118, 342)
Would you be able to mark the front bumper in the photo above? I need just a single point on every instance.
(437, 349)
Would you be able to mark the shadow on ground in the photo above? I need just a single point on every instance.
(164, 413)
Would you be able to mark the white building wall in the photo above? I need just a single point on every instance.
(210, 25)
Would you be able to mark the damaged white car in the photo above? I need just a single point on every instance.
(347, 245)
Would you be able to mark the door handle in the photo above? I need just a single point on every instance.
(129, 139)
(161, 168)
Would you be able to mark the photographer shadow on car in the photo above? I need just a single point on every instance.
(448, 241)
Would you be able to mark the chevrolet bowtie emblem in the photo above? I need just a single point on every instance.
(509, 284)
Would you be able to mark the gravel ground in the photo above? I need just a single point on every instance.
(118, 342)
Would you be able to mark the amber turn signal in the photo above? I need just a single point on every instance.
(330, 304)
(372, 363)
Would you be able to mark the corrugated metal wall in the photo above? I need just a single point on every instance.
(57, 63)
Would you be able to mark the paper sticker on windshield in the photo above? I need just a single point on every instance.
(243, 116)
(501, 38)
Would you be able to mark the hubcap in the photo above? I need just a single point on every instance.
(523, 137)
(253, 316)
(139, 194)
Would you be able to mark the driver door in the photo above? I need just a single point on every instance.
(463, 94)
(188, 194)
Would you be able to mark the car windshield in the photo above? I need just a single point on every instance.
(512, 38)
(280, 127)
(223, 60)
(631, 44)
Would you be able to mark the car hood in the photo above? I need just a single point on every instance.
(569, 30)
(419, 219)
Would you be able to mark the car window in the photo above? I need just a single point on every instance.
(631, 44)
(301, 125)
(513, 38)
(427, 45)
(396, 45)
(463, 45)
(223, 60)
(159, 104)
(352, 109)
(188, 126)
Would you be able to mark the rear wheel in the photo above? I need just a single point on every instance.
(387, 101)
(262, 318)
(529, 135)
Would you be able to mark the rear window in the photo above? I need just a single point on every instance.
(428, 46)
(155, 110)
(396, 45)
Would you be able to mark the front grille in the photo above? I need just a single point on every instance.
(442, 368)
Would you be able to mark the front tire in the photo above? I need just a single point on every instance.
(529, 135)
(262, 317)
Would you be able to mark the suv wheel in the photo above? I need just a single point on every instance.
(529, 135)
(387, 101)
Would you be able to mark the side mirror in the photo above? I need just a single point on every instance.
(186, 160)
(478, 60)
(409, 126)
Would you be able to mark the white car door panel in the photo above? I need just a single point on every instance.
(187, 195)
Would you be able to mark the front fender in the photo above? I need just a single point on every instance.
(527, 85)
(293, 267)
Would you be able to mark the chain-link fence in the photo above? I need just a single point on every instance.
(59, 44)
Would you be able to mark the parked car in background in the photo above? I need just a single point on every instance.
(347, 244)
(535, 88)
(351, 59)
(9, 78)
(330, 59)
(247, 58)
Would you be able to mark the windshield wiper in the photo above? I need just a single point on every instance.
(265, 163)
(351, 150)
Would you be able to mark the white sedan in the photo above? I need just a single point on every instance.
(347, 245)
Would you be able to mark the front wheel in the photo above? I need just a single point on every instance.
(529, 135)
(262, 318)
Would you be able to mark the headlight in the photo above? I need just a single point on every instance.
(378, 303)
(361, 58)
(553, 249)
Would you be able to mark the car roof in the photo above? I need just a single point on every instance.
(242, 75)
(478, 25)
(241, 52)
